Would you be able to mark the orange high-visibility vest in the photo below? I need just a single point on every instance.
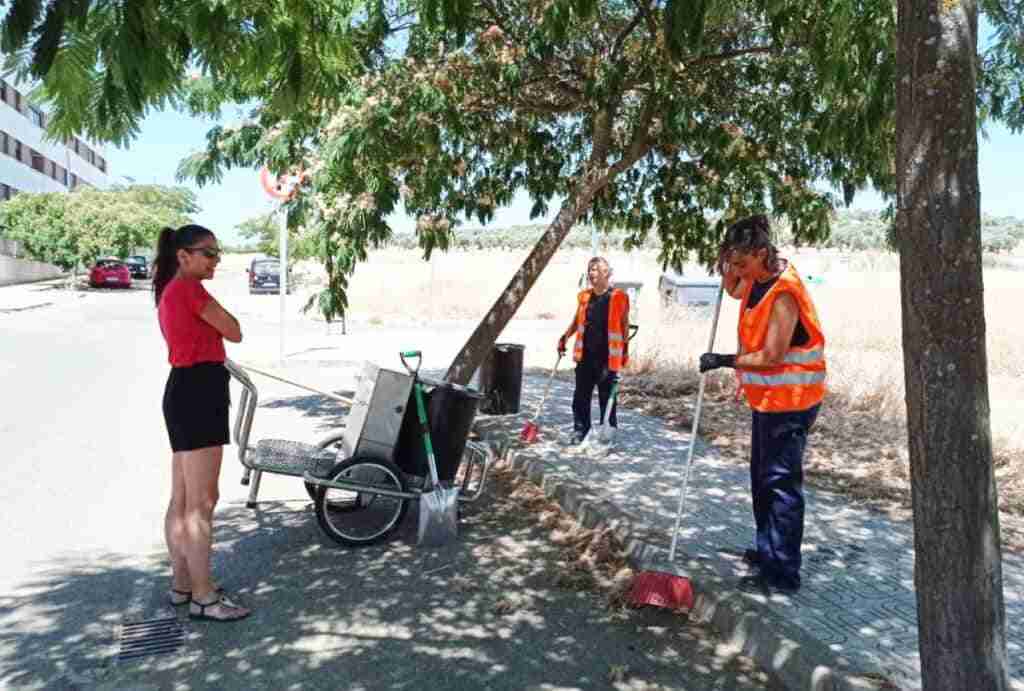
(618, 307)
(799, 382)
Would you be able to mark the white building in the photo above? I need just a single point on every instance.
(30, 163)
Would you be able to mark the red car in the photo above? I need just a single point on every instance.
(110, 272)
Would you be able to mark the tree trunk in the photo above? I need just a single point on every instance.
(490, 327)
(958, 568)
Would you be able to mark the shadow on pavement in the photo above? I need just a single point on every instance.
(484, 612)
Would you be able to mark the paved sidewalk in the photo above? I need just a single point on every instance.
(29, 296)
(853, 623)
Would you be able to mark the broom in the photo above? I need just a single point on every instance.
(669, 586)
(531, 430)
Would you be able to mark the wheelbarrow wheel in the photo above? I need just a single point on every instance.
(356, 517)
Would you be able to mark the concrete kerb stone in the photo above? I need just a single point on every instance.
(797, 660)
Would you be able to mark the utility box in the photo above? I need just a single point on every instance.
(688, 291)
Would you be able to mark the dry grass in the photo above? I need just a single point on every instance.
(591, 559)
(859, 446)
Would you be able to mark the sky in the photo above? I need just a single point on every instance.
(167, 137)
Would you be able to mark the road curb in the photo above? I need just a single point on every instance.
(798, 661)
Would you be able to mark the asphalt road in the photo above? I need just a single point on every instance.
(85, 462)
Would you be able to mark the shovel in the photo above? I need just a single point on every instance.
(531, 429)
(439, 507)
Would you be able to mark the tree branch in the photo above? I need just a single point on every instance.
(639, 145)
(624, 34)
(729, 54)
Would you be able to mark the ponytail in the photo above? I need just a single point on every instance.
(165, 266)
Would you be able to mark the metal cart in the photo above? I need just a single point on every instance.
(363, 476)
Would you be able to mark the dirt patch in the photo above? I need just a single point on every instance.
(851, 452)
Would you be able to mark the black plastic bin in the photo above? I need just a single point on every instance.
(451, 410)
(501, 379)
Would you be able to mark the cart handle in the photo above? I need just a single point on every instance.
(418, 354)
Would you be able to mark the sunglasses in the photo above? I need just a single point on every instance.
(208, 252)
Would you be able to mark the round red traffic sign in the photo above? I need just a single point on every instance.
(278, 187)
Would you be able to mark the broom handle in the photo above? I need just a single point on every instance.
(336, 397)
(693, 432)
(547, 388)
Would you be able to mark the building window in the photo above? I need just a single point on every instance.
(76, 145)
(17, 149)
(36, 116)
(4, 143)
(38, 161)
(91, 157)
(74, 181)
(5, 192)
(53, 170)
(17, 100)
(3, 91)
(101, 164)
(64, 176)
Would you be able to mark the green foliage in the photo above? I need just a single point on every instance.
(74, 229)
(660, 122)
(104, 65)
(264, 234)
(851, 231)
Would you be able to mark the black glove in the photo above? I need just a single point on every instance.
(561, 345)
(710, 361)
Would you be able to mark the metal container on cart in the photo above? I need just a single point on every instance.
(382, 402)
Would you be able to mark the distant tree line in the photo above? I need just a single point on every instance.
(852, 231)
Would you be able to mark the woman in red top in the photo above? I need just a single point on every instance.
(196, 401)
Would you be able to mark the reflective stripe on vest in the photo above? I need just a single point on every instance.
(785, 379)
(798, 382)
(618, 307)
(804, 357)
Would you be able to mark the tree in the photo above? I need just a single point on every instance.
(266, 231)
(73, 229)
(958, 567)
(643, 115)
(604, 108)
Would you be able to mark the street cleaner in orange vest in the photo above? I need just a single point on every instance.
(601, 349)
(781, 371)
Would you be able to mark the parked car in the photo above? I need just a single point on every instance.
(138, 266)
(110, 272)
(265, 276)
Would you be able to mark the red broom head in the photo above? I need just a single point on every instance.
(659, 589)
(529, 433)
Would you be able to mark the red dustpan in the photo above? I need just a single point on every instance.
(531, 430)
(666, 585)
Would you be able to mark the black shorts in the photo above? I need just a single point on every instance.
(196, 402)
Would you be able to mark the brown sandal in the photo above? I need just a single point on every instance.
(222, 608)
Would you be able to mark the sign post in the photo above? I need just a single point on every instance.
(281, 189)
(283, 252)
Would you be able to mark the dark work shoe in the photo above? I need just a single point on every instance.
(752, 556)
(753, 584)
(787, 586)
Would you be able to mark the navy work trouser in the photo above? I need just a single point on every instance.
(588, 375)
(776, 488)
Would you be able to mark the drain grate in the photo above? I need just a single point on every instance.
(150, 637)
